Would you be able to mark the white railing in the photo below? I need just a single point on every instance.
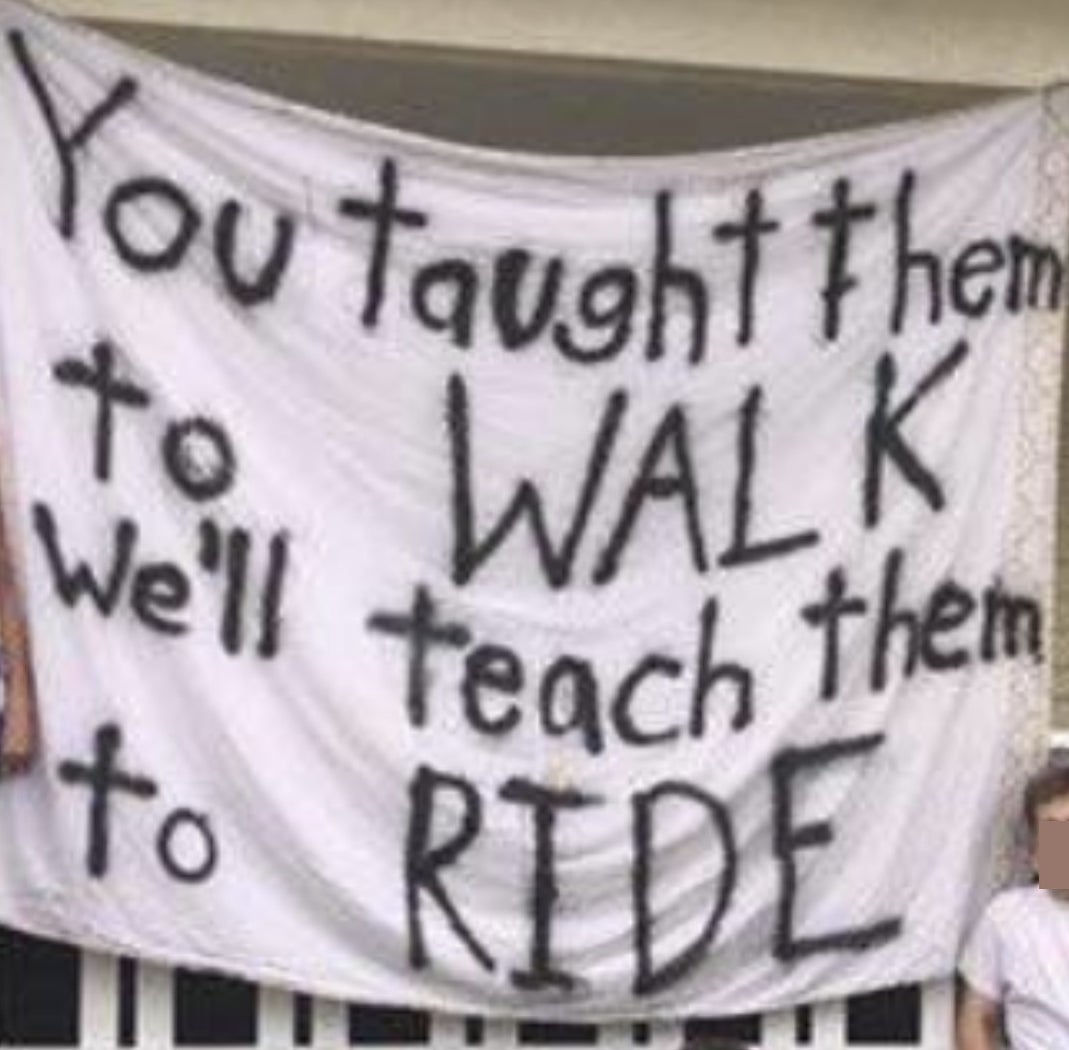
(147, 1019)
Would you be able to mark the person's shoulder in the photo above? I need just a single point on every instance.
(1012, 902)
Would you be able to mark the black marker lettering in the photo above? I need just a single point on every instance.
(1037, 276)
(545, 804)
(979, 259)
(742, 550)
(826, 615)
(510, 270)
(67, 143)
(908, 258)
(444, 294)
(884, 440)
(102, 778)
(494, 668)
(670, 441)
(420, 629)
(384, 214)
(231, 628)
(623, 717)
(606, 303)
(711, 674)
(748, 232)
(74, 582)
(187, 821)
(838, 220)
(170, 251)
(158, 591)
(99, 378)
(949, 607)
(271, 602)
(263, 286)
(1017, 620)
(890, 620)
(789, 838)
(668, 276)
(199, 458)
(424, 863)
(469, 552)
(650, 978)
(574, 678)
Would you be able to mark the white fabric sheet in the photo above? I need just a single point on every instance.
(717, 719)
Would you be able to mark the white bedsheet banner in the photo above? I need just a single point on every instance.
(577, 587)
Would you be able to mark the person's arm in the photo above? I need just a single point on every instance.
(979, 1022)
(18, 740)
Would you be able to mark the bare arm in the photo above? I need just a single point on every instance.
(18, 743)
(979, 1022)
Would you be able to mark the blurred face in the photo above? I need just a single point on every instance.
(1051, 855)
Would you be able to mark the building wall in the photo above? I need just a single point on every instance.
(1018, 43)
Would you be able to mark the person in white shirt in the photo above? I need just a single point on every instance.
(1015, 965)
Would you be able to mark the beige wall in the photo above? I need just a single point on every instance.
(1020, 43)
(1061, 626)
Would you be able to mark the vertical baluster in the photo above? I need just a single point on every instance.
(616, 1034)
(665, 1035)
(330, 1024)
(447, 1032)
(274, 1018)
(779, 1031)
(829, 1025)
(937, 1015)
(98, 1015)
(155, 1006)
(499, 1033)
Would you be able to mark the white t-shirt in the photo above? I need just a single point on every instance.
(1018, 956)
